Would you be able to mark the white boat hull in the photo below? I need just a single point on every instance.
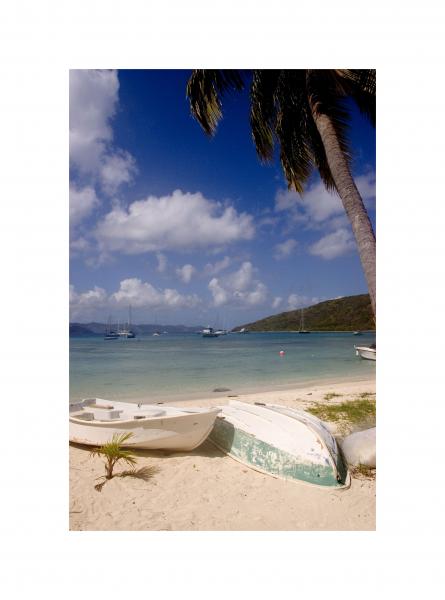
(280, 441)
(365, 352)
(153, 427)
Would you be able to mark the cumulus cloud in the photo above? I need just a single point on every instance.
(295, 301)
(117, 169)
(82, 203)
(142, 294)
(93, 303)
(181, 221)
(334, 244)
(217, 267)
(186, 273)
(317, 205)
(239, 288)
(86, 304)
(285, 249)
(277, 301)
(94, 98)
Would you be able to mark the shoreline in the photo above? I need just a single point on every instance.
(260, 389)
(205, 490)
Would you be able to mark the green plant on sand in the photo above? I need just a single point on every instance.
(355, 411)
(331, 395)
(113, 452)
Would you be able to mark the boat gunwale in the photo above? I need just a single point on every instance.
(143, 419)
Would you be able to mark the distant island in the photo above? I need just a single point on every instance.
(351, 313)
(90, 329)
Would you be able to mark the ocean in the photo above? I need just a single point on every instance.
(187, 366)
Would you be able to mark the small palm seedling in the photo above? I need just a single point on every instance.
(113, 452)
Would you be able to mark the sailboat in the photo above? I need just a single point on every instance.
(302, 329)
(127, 332)
(109, 333)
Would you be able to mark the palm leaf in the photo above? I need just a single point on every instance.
(263, 111)
(291, 128)
(204, 91)
(360, 84)
(144, 473)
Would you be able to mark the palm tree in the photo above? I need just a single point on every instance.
(112, 452)
(305, 111)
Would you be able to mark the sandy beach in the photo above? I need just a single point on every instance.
(205, 490)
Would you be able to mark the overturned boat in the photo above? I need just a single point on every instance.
(280, 441)
(94, 421)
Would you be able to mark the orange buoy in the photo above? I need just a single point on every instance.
(281, 352)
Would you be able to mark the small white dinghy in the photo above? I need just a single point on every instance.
(94, 421)
(280, 441)
(368, 352)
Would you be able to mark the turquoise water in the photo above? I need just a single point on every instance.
(183, 366)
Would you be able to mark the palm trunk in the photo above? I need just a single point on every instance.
(352, 201)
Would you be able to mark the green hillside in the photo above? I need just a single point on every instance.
(350, 313)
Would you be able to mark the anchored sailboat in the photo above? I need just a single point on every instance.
(127, 332)
(302, 329)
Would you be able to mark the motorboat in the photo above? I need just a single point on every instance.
(208, 332)
(283, 442)
(368, 352)
(94, 421)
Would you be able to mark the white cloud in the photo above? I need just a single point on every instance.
(277, 301)
(94, 97)
(142, 294)
(239, 288)
(295, 301)
(117, 169)
(220, 295)
(93, 303)
(333, 245)
(162, 262)
(217, 267)
(180, 221)
(82, 203)
(317, 206)
(86, 304)
(186, 273)
(285, 249)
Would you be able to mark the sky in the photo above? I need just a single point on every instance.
(190, 229)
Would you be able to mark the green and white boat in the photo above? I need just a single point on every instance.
(280, 441)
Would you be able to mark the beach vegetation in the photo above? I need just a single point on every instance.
(363, 472)
(306, 112)
(331, 395)
(113, 452)
(353, 412)
(351, 313)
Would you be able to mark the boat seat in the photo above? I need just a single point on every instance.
(85, 416)
(102, 414)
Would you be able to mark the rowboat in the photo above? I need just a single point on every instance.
(368, 352)
(94, 421)
(280, 441)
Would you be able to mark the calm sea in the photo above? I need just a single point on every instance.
(183, 366)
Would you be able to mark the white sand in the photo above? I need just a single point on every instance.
(206, 490)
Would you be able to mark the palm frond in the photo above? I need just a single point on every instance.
(263, 111)
(360, 85)
(291, 128)
(205, 89)
(144, 473)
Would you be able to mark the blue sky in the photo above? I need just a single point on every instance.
(194, 230)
